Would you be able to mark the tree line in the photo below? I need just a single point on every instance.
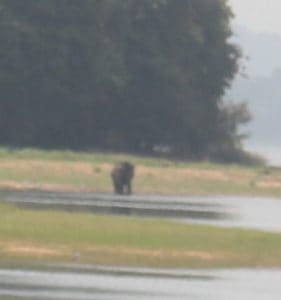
(120, 75)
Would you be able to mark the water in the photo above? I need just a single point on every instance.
(75, 282)
(139, 284)
(244, 212)
(247, 212)
(269, 150)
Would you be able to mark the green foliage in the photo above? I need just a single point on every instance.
(125, 75)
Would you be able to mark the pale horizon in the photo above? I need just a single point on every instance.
(258, 15)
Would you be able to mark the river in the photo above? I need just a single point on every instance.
(262, 213)
(77, 282)
(139, 284)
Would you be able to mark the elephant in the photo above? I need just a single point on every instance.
(122, 175)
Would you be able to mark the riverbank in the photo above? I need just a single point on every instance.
(32, 237)
(83, 171)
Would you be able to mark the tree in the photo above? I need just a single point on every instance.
(126, 75)
(180, 62)
(55, 77)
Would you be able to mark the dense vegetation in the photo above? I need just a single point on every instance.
(125, 75)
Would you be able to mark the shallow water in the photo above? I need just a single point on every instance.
(138, 284)
(74, 282)
(244, 212)
(247, 212)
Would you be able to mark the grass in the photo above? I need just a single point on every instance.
(49, 236)
(90, 171)
(30, 237)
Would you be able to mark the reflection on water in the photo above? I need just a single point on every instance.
(139, 284)
(88, 282)
(246, 212)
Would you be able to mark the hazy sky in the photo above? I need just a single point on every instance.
(258, 15)
(261, 16)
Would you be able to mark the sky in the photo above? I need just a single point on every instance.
(258, 15)
(258, 33)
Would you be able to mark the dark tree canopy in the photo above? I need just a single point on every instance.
(126, 75)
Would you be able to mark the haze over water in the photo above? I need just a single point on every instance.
(257, 29)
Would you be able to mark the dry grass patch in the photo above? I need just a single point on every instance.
(158, 253)
(171, 173)
(29, 250)
(30, 166)
(64, 171)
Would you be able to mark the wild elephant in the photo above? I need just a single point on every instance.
(122, 175)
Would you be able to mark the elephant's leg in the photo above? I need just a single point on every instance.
(120, 187)
(128, 188)
(116, 188)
